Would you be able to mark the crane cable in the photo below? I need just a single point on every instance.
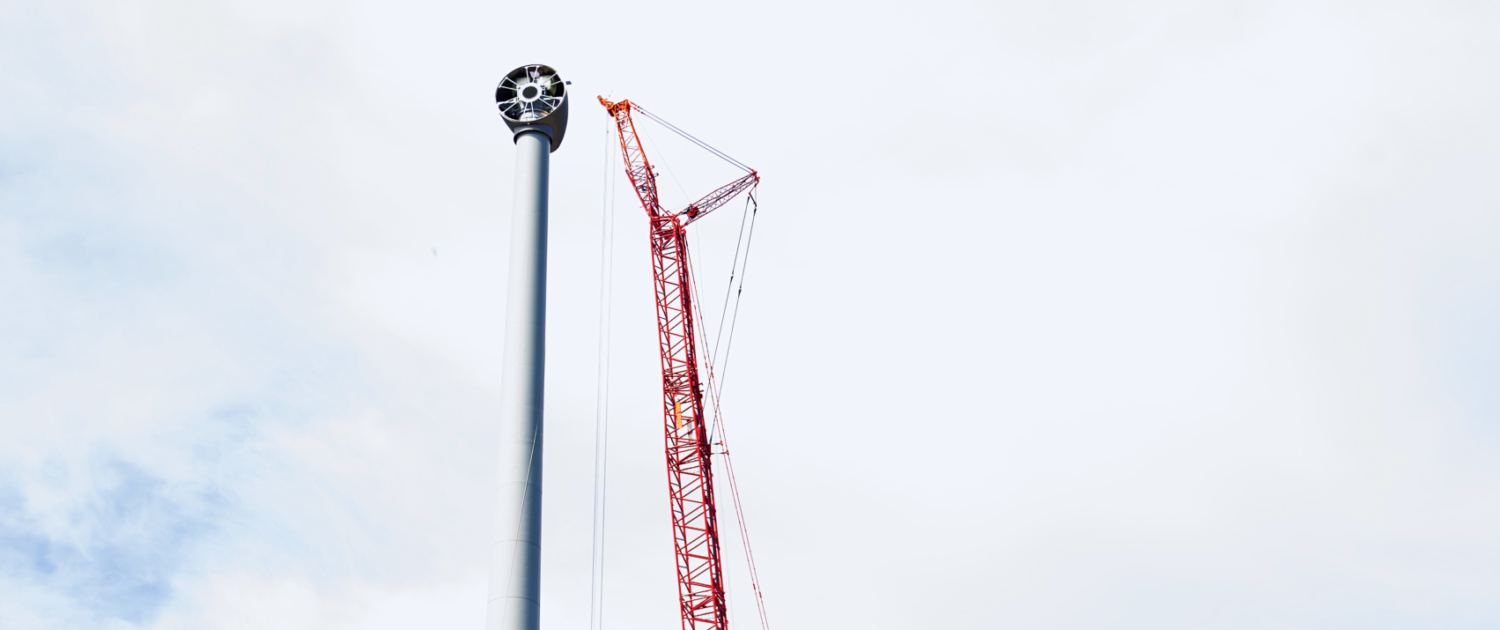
(601, 394)
(690, 138)
(661, 160)
(716, 386)
(752, 208)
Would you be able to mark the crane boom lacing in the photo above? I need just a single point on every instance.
(688, 447)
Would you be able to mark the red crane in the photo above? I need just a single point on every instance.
(695, 528)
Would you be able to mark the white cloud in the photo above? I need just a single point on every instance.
(1064, 315)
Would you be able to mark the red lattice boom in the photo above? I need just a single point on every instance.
(695, 529)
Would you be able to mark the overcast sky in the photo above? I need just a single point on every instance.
(1060, 315)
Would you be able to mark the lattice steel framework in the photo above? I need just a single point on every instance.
(695, 529)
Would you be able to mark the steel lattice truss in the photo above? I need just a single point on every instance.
(695, 530)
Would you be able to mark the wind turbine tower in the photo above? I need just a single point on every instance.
(533, 101)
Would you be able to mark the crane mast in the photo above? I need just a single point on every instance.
(695, 529)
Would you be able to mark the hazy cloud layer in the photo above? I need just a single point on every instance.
(1066, 315)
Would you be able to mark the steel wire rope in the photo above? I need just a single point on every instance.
(722, 155)
(744, 271)
(715, 388)
(739, 511)
(729, 605)
(729, 290)
(601, 411)
(662, 160)
(735, 267)
(739, 240)
(713, 397)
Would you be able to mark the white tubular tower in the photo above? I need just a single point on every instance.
(533, 102)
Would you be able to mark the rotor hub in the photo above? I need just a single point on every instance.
(534, 98)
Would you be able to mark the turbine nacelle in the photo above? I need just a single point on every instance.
(534, 98)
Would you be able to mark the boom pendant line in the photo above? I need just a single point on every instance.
(695, 529)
